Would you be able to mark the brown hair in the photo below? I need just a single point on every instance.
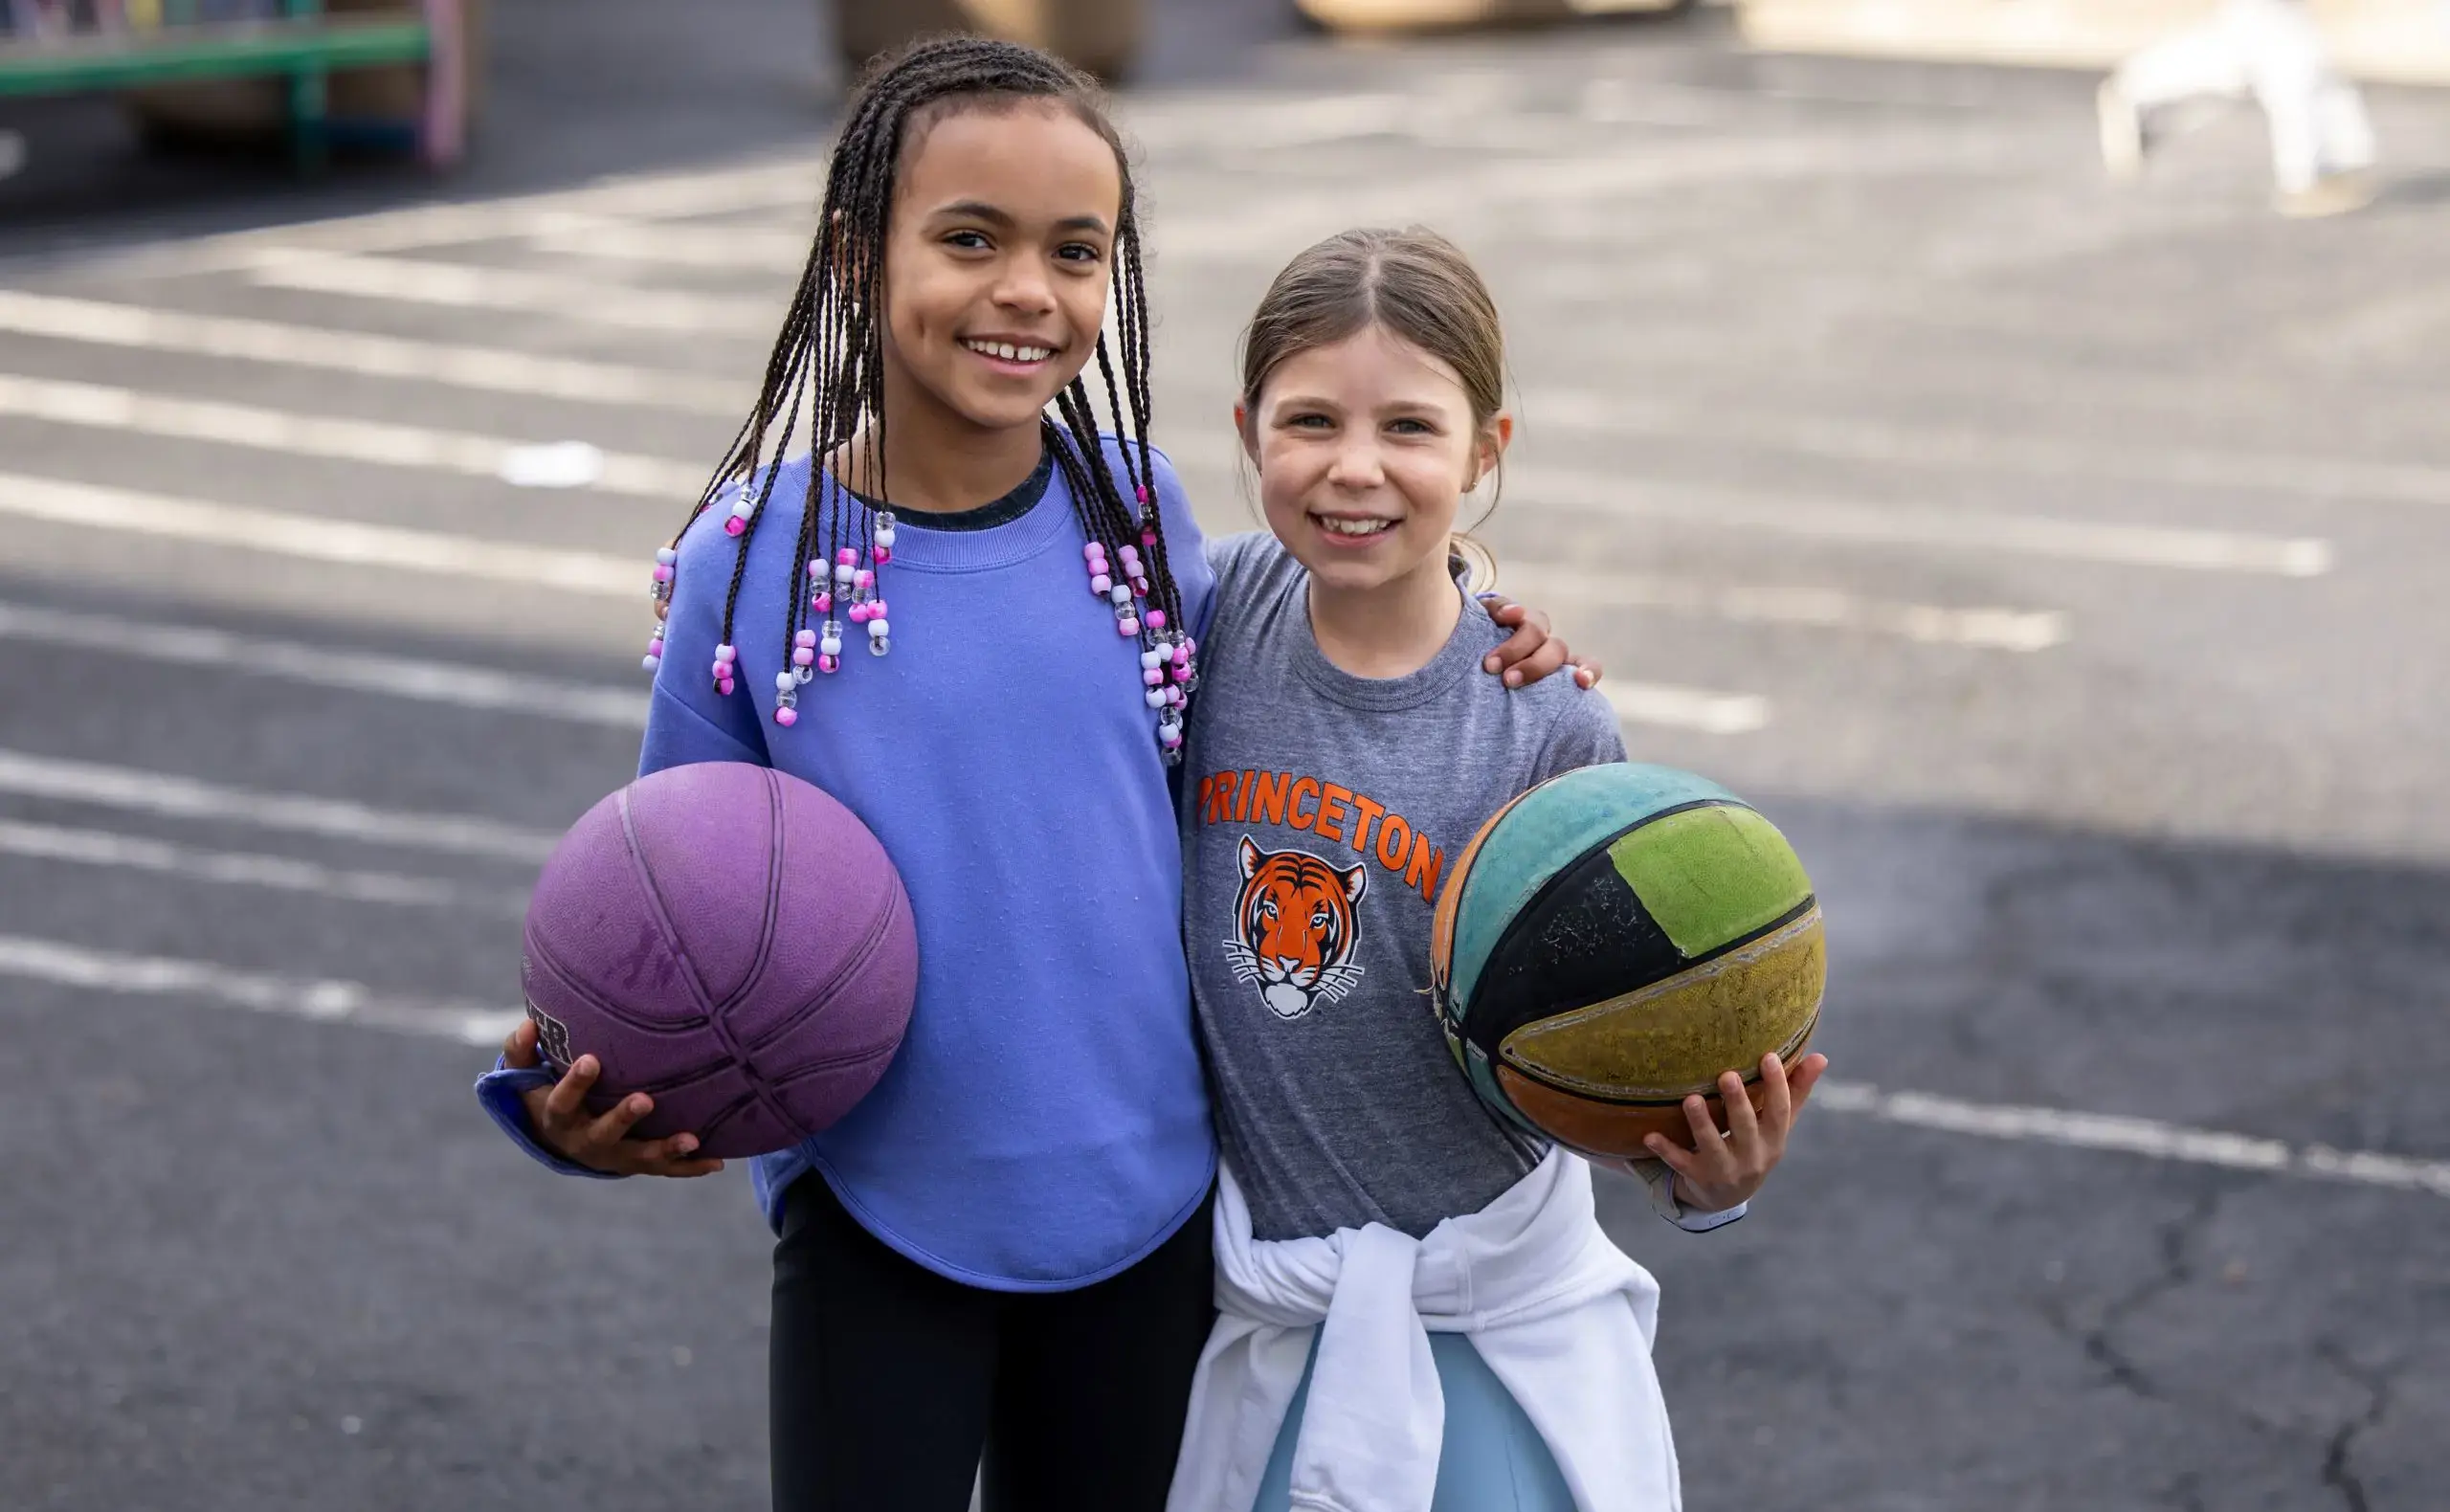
(1416, 284)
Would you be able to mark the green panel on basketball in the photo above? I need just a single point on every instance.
(1615, 940)
(1711, 876)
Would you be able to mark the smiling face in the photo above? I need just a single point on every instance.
(1365, 448)
(997, 264)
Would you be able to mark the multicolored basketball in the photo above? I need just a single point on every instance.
(731, 941)
(1615, 940)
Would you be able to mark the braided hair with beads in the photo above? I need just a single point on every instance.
(827, 368)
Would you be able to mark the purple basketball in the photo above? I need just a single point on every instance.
(732, 942)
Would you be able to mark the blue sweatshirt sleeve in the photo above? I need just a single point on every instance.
(687, 720)
(501, 1093)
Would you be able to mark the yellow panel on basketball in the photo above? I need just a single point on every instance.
(1672, 1038)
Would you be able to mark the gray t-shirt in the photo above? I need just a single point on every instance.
(1321, 812)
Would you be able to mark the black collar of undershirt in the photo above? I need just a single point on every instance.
(985, 517)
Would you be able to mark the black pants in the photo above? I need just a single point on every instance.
(889, 1382)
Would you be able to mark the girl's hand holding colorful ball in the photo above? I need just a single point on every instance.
(1723, 1169)
(558, 1114)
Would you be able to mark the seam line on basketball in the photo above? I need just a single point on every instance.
(1778, 925)
(722, 1116)
(770, 1097)
(880, 929)
(1524, 913)
(1811, 902)
(545, 958)
(1752, 1077)
(636, 855)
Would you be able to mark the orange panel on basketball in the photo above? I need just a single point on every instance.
(1595, 1127)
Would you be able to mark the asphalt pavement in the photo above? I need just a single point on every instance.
(2062, 566)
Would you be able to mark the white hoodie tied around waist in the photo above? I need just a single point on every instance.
(1562, 1317)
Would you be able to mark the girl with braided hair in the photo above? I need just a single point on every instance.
(971, 615)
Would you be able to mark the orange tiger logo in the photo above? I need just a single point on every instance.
(1296, 928)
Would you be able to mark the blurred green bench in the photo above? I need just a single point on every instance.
(305, 45)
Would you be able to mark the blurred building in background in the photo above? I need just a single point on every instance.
(391, 75)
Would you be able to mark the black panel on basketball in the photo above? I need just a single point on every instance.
(1582, 939)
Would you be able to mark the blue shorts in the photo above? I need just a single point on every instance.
(1493, 1459)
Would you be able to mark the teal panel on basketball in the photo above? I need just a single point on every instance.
(1548, 829)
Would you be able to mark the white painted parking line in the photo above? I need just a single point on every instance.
(1979, 531)
(2133, 1136)
(176, 797)
(796, 181)
(1505, 199)
(88, 507)
(457, 683)
(1688, 708)
(2295, 474)
(486, 688)
(460, 286)
(1769, 604)
(46, 842)
(329, 1001)
(487, 369)
(1238, 123)
(374, 442)
(743, 249)
(2399, 325)
(323, 1000)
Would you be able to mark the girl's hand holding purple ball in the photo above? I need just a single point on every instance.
(559, 1116)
